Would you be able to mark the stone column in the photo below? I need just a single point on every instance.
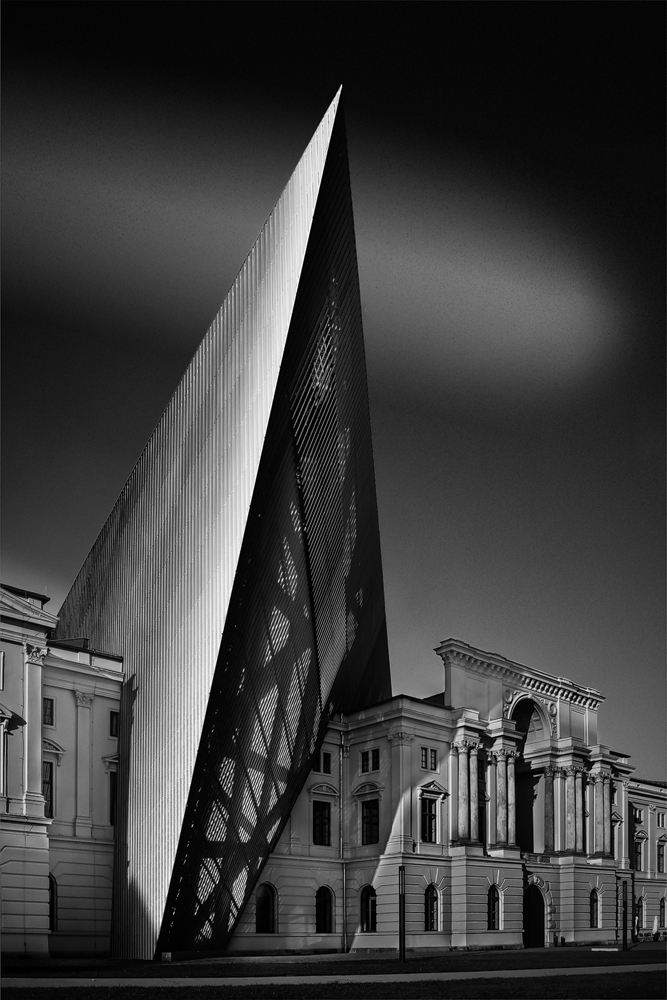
(33, 800)
(491, 790)
(474, 793)
(597, 782)
(464, 797)
(548, 810)
(579, 810)
(511, 799)
(501, 803)
(606, 796)
(570, 828)
(83, 824)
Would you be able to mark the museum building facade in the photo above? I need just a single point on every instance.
(515, 825)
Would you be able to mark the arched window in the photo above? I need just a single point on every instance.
(661, 917)
(640, 914)
(594, 908)
(368, 909)
(431, 908)
(53, 904)
(265, 909)
(323, 910)
(493, 911)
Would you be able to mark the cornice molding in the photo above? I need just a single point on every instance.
(458, 653)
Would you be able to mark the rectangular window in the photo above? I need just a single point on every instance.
(638, 855)
(637, 815)
(424, 756)
(326, 762)
(375, 760)
(661, 857)
(370, 822)
(322, 824)
(2, 669)
(47, 711)
(433, 760)
(112, 797)
(47, 787)
(365, 762)
(661, 820)
(429, 820)
(113, 724)
(429, 759)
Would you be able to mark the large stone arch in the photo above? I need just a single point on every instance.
(532, 722)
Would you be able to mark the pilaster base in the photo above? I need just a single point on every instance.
(83, 827)
(33, 804)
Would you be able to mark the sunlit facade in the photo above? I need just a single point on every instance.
(515, 826)
(239, 574)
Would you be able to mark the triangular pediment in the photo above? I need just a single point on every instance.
(22, 609)
(434, 787)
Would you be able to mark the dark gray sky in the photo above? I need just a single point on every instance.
(508, 184)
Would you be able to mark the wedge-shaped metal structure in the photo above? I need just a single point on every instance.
(239, 574)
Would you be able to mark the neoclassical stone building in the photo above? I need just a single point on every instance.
(59, 714)
(514, 824)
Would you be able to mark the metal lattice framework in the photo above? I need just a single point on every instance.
(239, 574)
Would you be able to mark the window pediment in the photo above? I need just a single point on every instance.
(323, 788)
(111, 760)
(641, 835)
(433, 788)
(50, 746)
(367, 789)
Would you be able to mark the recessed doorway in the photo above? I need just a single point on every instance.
(533, 918)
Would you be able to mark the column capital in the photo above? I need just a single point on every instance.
(401, 738)
(34, 654)
(550, 771)
(569, 771)
(84, 699)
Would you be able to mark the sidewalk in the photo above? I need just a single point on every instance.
(192, 981)
(298, 969)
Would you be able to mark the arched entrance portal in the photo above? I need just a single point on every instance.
(529, 807)
(533, 918)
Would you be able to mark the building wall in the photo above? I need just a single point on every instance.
(57, 851)
(593, 795)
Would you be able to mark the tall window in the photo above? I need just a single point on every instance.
(370, 760)
(322, 824)
(660, 820)
(323, 763)
(429, 759)
(112, 797)
(265, 909)
(47, 787)
(493, 909)
(113, 724)
(368, 909)
(594, 908)
(661, 916)
(429, 819)
(638, 855)
(323, 910)
(47, 711)
(53, 904)
(370, 821)
(661, 857)
(431, 908)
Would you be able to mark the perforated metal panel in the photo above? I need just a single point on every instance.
(239, 574)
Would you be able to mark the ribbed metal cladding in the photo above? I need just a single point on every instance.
(239, 574)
